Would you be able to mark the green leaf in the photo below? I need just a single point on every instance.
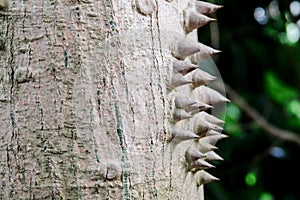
(294, 108)
(277, 89)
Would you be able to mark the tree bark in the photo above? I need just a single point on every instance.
(86, 101)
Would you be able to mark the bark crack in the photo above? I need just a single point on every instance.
(126, 164)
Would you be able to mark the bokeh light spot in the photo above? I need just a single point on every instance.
(266, 196)
(277, 152)
(260, 15)
(292, 32)
(294, 108)
(233, 111)
(250, 179)
(295, 8)
(274, 10)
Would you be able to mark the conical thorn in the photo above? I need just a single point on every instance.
(211, 155)
(205, 147)
(194, 20)
(205, 178)
(192, 155)
(179, 135)
(183, 102)
(183, 67)
(206, 8)
(210, 96)
(179, 80)
(213, 139)
(201, 77)
(185, 48)
(200, 165)
(198, 107)
(180, 114)
(210, 118)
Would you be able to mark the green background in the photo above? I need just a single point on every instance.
(260, 60)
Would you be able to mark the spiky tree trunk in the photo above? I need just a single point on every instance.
(100, 100)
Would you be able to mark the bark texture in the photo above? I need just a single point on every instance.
(86, 101)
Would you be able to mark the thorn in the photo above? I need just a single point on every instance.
(208, 50)
(201, 77)
(179, 135)
(211, 96)
(184, 103)
(180, 114)
(205, 53)
(212, 132)
(211, 155)
(198, 107)
(200, 165)
(183, 67)
(205, 178)
(210, 118)
(206, 8)
(205, 147)
(192, 155)
(194, 20)
(213, 139)
(186, 48)
(201, 126)
(179, 80)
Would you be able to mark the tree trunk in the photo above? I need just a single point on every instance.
(87, 96)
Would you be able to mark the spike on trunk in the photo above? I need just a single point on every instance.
(205, 177)
(206, 8)
(213, 156)
(179, 135)
(185, 48)
(201, 77)
(184, 67)
(179, 80)
(194, 20)
(180, 114)
(192, 155)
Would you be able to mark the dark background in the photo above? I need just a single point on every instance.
(262, 64)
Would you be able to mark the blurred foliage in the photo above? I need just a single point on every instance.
(260, 59)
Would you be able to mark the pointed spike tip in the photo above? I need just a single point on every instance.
(186, 48)
(179, 80)
(205, 147)
(183, 67)
(211, 155)
(212, 119)
(200, 165)
(213, 139)
(205, 178)
(206, 7)
(194, 20)
(211, 96)
(179, 135)
(192, 155)
(201, 77)
(181, 114)
(198, 107)
(183, 102)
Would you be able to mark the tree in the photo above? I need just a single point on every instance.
(100, 100)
